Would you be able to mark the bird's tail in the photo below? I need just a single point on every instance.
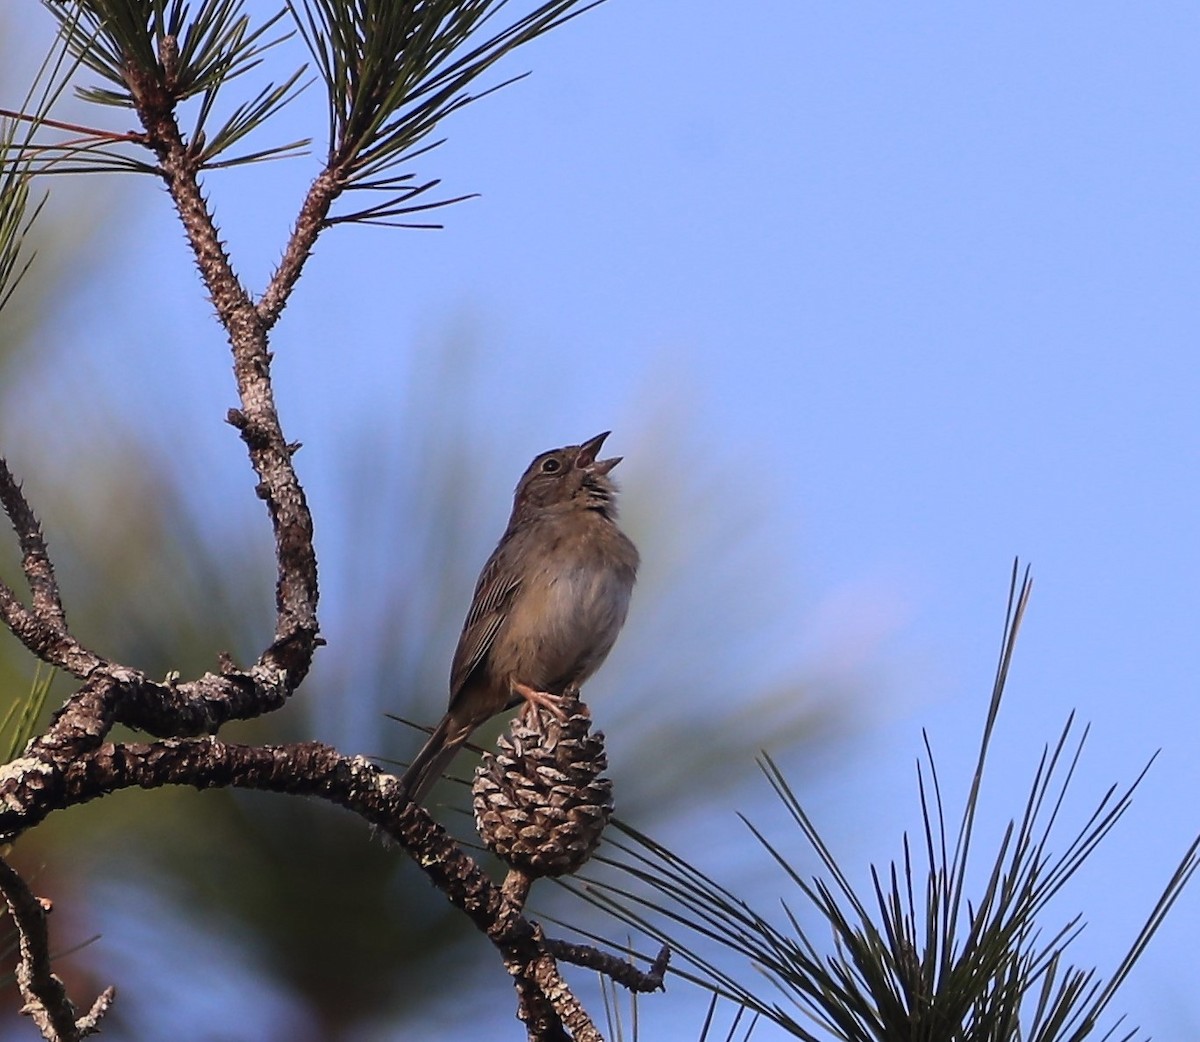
(433, 759)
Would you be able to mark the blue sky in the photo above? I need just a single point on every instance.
(921, 276)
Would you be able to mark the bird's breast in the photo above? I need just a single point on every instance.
(566, 618)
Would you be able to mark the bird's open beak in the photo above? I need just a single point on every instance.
(588, 451)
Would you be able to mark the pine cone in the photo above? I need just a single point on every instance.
(540, 803)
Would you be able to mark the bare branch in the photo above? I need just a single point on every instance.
(44, 629)
(46, 1000)
(86, 133)
(51, 645)
(534, 1008)
(116, 694)
(616, 969)
(566, 1006)
(516, 888)
(51, 778)
(257, 420)
(314, 214)
(35, 561)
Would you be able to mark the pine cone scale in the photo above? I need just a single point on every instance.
(540, 800)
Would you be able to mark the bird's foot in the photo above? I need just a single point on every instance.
(535, 700)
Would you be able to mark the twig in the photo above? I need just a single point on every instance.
(34, 786)
(44, 629)
(257, 420)
(116, 694)
(35, 561)
(549, 981)
(113, 693)
(48, 643)
(46, 1000)
(516, 888)
(535, 1008)
(314, 215)
(92, 133)
(619, 970)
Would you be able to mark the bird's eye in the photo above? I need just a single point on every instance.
(551, 466)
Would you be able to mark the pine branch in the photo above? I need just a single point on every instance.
(918, 956)
(47, 779)
(153, 56)
(189, 54)
(46, 1001)
(394, 71)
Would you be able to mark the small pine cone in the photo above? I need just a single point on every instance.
(540, 803)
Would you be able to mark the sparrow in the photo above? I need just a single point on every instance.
(548, 605)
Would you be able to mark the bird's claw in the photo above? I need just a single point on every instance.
(535, 700)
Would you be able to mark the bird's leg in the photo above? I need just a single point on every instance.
(534, 699)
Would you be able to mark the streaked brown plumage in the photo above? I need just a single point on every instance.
(548, 605)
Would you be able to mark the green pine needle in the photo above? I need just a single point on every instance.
(394, 69)
(21, 718)
(930, 951)
(186, 54)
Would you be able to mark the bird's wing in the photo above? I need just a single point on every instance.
(494, 595)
